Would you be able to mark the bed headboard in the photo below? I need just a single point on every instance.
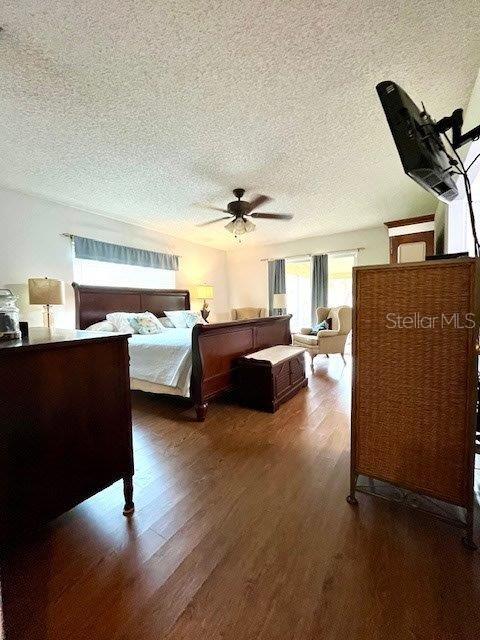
(93, 303)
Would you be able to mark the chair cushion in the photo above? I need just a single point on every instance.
(308, 341)
(319, 326)
(276, 354)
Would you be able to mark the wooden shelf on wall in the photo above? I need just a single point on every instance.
(411, 239)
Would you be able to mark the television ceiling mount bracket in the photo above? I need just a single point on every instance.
(455, 123)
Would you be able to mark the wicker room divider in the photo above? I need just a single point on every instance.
(415, 329)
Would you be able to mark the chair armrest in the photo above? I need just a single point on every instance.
(327, 333)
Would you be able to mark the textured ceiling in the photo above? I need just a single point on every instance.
(138, 110)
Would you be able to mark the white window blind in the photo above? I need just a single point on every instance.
(110, 274)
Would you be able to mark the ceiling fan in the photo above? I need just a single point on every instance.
(240, 210)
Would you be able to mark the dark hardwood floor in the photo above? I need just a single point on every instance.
(242, 532)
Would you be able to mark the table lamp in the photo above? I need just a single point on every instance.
(46, 291)
(204, 292)
(280, 301)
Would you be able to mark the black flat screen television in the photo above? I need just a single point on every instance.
(423, 155)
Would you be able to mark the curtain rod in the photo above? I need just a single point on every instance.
(309, 255)
(72, 235)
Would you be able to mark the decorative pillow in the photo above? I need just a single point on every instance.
(121, 321)
(166, 323)
(145, 323)
(320, 326)
(177, 318)
(193, 317)
(104, 325)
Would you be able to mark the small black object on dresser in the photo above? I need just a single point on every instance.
(65, 422)
(269, 377)
(24, 329)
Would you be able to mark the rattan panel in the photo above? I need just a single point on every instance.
(412, 415)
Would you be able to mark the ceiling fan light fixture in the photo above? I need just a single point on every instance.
(239, 227)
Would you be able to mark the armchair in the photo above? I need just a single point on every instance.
(248, 313)
(327, 341)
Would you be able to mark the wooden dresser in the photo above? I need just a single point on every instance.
(65, 422)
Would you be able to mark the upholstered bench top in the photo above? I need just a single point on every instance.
(274, 355)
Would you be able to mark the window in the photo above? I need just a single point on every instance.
(111, 274)
(298, 280)
(459, 236)
(340, 267)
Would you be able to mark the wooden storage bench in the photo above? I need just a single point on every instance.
(271, 376)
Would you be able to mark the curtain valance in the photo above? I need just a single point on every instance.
(88, 249)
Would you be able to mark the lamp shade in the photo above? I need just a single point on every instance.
(46, 291)
(279, 300)
(239, 226)
(203, 292)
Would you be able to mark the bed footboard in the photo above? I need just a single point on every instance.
(217, 347)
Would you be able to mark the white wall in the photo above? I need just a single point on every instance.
(31, 245)
(458, 236)
(248, 275)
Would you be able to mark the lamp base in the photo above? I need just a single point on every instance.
(48, 319)
(205, 311)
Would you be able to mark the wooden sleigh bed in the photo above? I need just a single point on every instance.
(215, 347)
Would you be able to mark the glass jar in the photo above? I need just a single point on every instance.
(9, 316)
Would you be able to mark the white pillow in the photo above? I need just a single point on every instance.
(193, 317)
(120, 320)
(166, 323)
(178, 319)
(104, 325)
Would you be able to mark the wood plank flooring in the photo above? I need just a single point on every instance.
(242, 531)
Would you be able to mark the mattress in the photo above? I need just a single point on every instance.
(162, 361)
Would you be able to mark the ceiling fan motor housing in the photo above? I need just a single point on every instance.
(238, 207)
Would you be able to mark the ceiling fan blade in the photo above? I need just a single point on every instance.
(205, 224)
(202, 205)
(272, 216)
(258, 201)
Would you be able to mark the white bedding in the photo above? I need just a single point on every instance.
(163, 358)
